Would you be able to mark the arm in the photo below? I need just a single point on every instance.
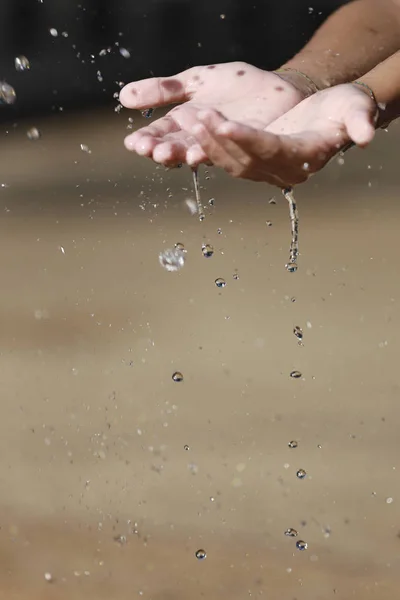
(350, 43)
(384, 81)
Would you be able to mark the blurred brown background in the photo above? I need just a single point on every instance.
(100, 497)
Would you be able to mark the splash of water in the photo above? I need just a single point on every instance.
(294, 224)
(196, 184)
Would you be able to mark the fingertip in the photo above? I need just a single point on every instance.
(128, 96)
(195, 156)
(360, 128)
(197, 129)
(129, 143)
(227, 129)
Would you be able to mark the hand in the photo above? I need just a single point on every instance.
(240, 92)
(294, 146)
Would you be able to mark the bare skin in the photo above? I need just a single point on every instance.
(256, 97)
(297, 144)
(305, 138)
(350, 43)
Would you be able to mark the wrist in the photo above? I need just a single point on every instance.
(300, 80)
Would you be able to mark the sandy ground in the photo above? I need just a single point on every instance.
(98, 492)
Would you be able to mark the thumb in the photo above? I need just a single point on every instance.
(360, 124)
(158, 91)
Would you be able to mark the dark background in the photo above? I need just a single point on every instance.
(162, 37)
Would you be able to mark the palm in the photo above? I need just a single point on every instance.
(238, 91)
(325, 114)
(298, 143)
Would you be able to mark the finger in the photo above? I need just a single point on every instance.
(262, 144)
(214, 151)
(169, 153)
(196, 156)
(359, 126)
(158, 129)
(159, 91)
(213, 120)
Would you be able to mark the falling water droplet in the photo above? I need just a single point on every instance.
(295, 374)
(207, 250)
(172, 260)
(235, 275)
(200, 211)
(53, 32)
(180, 246)
(298, 332)
(177, 376)
(124, 53)
(147, 113)
(201, 554)
(291, 532)
(221, 283)
(22, 63)
(294, 224)
(301, 473)
(291, 267)
(301, 545)
(186, 447)
(85, 148)
(7, 93)
(293, 444)
(33, 134)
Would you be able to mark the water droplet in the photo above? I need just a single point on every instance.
(293, 444)
(235, 276)
(298, 332)
(301, 473)
(147, 113)
(207, 250)
(291, 267)
(186, 447)
(201, 554)
(268, 223)
(291, 532)
(180, 246)
(177, 376)
(7, 93)
(53, 32)
(21, 63)
(295, 374)
(33, 134)
(85, 148)
(191, 205)
(48, 577)
(389, 500)
(301, 545)
(272, 201)
(125, 53)
(221, 283)
(172, 260)
(211, 201)
(306, 166)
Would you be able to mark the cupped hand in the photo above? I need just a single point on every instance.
(294, 146)
(238, 91)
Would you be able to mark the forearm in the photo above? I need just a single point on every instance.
(384, 81)
(351, 42)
